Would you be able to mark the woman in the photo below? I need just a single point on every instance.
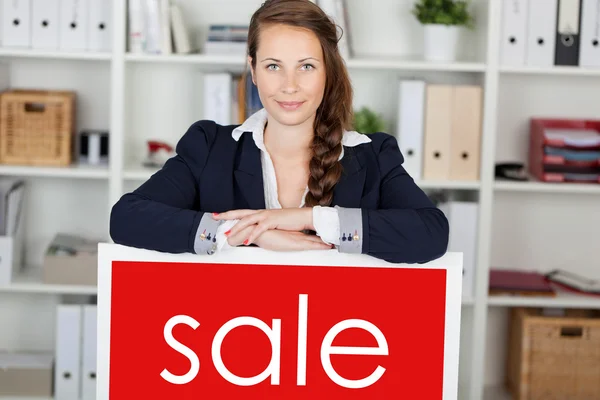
(290, 170)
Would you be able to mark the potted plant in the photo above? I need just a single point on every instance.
(442, 21)
(367, 121)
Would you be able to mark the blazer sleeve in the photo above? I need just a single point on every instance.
(406, 227)
(164, 213)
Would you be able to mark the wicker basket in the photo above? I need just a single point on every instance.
(554, 358)
(37, 127)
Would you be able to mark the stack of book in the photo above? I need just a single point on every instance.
(226, 39)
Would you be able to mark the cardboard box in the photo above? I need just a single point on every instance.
(26, 374)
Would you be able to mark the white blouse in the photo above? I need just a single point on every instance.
(325, 219)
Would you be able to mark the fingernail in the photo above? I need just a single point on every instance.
(333, 246)
(215, 214)
(228, 232)
(246, 242)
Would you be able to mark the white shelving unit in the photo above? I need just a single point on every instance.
(529, 225)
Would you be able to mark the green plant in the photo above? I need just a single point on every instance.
(445, 12)
(367, 121)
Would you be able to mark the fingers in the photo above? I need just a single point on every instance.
(238, 238)
(245, 222)
(234, 214)
(258, 229)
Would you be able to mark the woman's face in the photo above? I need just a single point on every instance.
(289, 74)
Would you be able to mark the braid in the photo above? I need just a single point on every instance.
(325, 168)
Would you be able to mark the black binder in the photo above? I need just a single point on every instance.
(568, 32)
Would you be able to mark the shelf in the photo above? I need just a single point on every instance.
(563, 299)
(496, 393)
(556, 70)
(54, 54)
(393, 63)
(30, 281)
(138, 173)
(73, 171)
(547, 187)
(465, 185)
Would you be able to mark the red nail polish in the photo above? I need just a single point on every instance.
(215, 214)
(246, 242)
(228, 232)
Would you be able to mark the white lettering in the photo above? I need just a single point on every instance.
(186, 351)
(327, 349)
(274, 336)
(302, 338)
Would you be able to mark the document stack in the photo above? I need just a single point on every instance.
(439, 130)
(545, 33)
(12, 192)
(64, 25)
(157, 27)
(565, 150)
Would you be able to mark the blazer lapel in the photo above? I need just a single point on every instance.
(348, 191)
(248, 173)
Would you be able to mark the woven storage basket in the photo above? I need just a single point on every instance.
(37, 127)
(554, 358)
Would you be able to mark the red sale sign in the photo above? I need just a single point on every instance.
(255, 324)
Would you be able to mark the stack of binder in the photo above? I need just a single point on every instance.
(64, 25)
(439, 130)
(562, 150)
(12, 194)
(547, 33)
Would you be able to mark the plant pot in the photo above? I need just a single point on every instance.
(440, 42)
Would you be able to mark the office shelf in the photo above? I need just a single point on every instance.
(73, 171)
(54, 54)
(555, 70)
(30, 281)
(563, 299)
(391, 63)
(547, 187)
(464, 185)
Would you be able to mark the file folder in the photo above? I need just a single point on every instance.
(541, 32)
(16, 23)
(100, 25)
(589, 55)
(438, 129)
(514, 32)
(411, 107)
(44, 24)
(567, 33)
(68, 352)
(465, 142)
(74, 21)
(89, 341)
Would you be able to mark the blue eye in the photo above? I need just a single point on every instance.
(308, 65)
(272, 65)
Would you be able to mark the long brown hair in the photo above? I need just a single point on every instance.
(335, 112)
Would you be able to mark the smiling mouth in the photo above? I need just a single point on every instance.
(290, 105)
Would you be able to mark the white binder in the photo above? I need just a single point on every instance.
(74, 21)
(411, 108)
(68, 352)
(589, 53)
(16, 23)
(541, 32)
(88, 359)
(462, 218)
(44, 24)
(514, 32)
(100, 25)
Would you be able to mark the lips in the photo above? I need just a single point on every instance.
(290, 105)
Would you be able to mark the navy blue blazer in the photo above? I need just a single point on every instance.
(212, 172)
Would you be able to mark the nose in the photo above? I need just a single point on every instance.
(290, 85)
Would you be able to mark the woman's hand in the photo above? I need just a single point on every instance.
(278, 240)
(287, 219)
